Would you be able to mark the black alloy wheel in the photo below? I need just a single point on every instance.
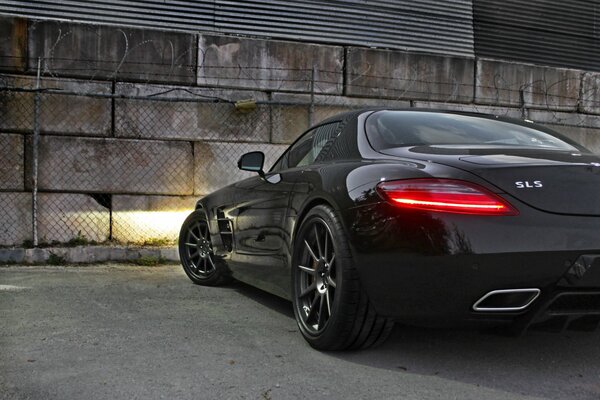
(316, 278)
(331, 309)
(196, 253)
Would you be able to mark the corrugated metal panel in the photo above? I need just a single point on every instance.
(434, 26)
(166, 14)
(552, 32)
(438, 26)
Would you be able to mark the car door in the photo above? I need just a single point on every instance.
(261, 218)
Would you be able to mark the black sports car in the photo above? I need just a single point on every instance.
(426, 217)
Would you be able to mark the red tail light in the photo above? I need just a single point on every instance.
(446, 195)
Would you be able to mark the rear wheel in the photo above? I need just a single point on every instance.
(196, 252)
(331, 309)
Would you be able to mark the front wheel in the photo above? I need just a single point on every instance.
(196, 252)
(331, 309)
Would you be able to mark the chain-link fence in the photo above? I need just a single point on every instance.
(89, 161)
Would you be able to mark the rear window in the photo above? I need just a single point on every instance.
(388, 129)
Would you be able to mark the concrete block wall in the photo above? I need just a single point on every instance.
(110, 165)
(513, 85)
(66, 216)
(12, 154)
(189, 120)
(401, 75)
(273, 65)
(13, 46)
(115, 53)
(590, 93)
(140, 148)
(62, 114)
(15, 208)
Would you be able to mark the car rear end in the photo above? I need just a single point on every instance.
(437, 268)
(517, 244)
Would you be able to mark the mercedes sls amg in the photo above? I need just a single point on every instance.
(425, 217)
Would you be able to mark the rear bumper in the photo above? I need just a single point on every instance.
(442, 290)
(430, 269)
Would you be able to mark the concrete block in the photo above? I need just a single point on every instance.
(216, 163)
(97, 51)
(81, 255)
(137, 253)
(115, 165)
(149, 219)
(59, 113)
(590, 93)
(289, 121)
(40, 256)
(501, 83)
(16, 108)
(495, 110)
(12, 256)
(12, 162)
(564, 118)
(169, 253)
(55, 256)
(587, 137)
(15, 214)
(118, 253)
(66, 216)
(198, 116)
(13, 44)
(402, 75)
(269, 64)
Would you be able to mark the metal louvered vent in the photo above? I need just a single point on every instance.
(438, 26)
(166, 14)
(433, 26)
(562, 33)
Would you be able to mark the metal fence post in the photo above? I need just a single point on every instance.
(311, 108)
(36, 139)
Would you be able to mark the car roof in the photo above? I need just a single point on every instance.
(357, 112)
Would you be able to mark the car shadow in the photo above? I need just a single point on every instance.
(549, 365)
(275, 303)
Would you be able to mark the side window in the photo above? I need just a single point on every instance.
(307, 149)
(300, 149)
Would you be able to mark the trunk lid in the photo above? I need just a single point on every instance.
(554, 181)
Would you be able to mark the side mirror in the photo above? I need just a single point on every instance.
(252, 161)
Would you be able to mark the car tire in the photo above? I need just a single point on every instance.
(196, 253)
(332, 310)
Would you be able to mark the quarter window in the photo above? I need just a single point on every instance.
(306, 150)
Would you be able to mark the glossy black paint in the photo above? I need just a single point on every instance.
(423, 267)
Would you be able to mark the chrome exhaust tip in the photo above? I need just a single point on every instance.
(506, 300)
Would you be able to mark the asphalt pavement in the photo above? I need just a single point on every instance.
(128, 332)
